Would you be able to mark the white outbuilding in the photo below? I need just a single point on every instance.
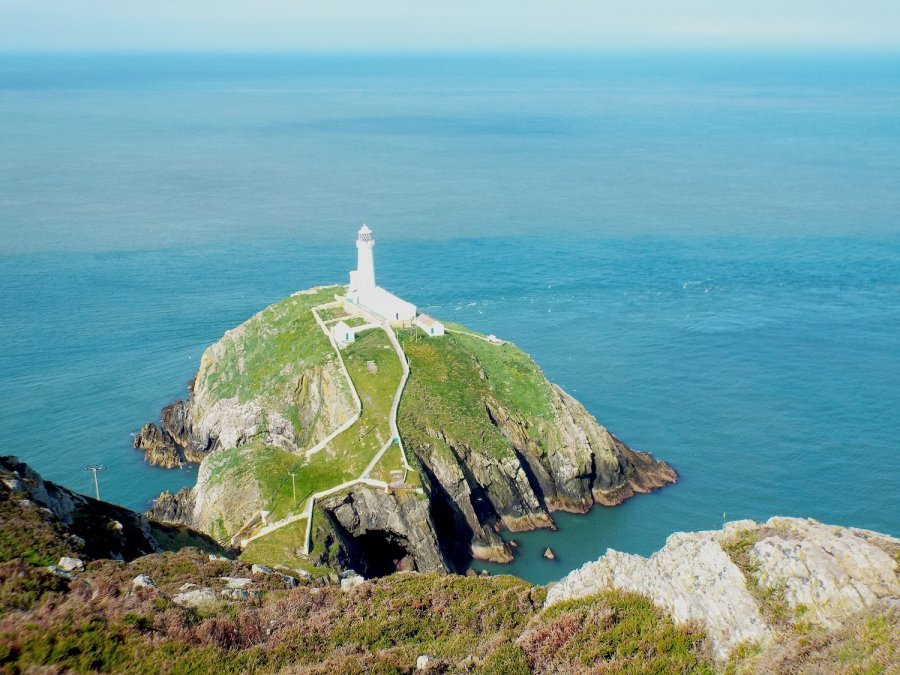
(431, 326)
(342, 334)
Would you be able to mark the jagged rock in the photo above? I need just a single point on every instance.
(159, 448)
(70, 564)
(196, 597)
(289, 581)
(142, 581)
(177, 508)
(14, 484)
(549, 554)
(830, 571)
(176, 422)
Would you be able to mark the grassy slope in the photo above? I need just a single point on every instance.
(446, 390)
(275, 347)
(346, 457)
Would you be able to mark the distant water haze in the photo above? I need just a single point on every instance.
(705, 251)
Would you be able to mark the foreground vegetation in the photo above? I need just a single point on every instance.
(99, 622)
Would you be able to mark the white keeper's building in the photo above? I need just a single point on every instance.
(363, 291)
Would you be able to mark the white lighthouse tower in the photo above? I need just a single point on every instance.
(364, 276)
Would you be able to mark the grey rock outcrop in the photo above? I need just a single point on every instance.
(70, 564)
(174, 508)
(142, 581)
(198, 597)
(158, 447)
(96, 528)
(379, 532)
(824, 573)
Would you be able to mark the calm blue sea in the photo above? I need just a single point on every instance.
(704, 249)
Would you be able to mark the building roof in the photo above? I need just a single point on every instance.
(427, 321)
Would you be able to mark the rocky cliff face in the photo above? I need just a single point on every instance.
(754, 584)
(95, 529)
(378, 532)
(499, 446)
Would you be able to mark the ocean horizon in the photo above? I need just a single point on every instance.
(704, 251)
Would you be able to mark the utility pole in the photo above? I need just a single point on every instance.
(294, 486)
(94, 470)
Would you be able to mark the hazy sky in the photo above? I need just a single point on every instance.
(403, 25)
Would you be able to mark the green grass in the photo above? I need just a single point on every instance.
(283, 547)
(329, 313)
(392, 460)
(264, 358)
(346, 457)
(453, 378)
(29, 534)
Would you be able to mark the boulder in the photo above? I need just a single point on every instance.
(236, 582)
(235, 594)
(142, 581)
(70, 564)
(350, 583)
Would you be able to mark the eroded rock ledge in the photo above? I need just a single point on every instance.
(753, 583)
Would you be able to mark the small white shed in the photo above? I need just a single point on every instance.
(431, 326)
(342, 333)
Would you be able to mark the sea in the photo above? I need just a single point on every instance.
(703, 248)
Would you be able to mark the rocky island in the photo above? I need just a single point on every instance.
(355, 456)
(485, 442)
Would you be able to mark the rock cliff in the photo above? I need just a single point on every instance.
(754, 584)
(92, 528)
